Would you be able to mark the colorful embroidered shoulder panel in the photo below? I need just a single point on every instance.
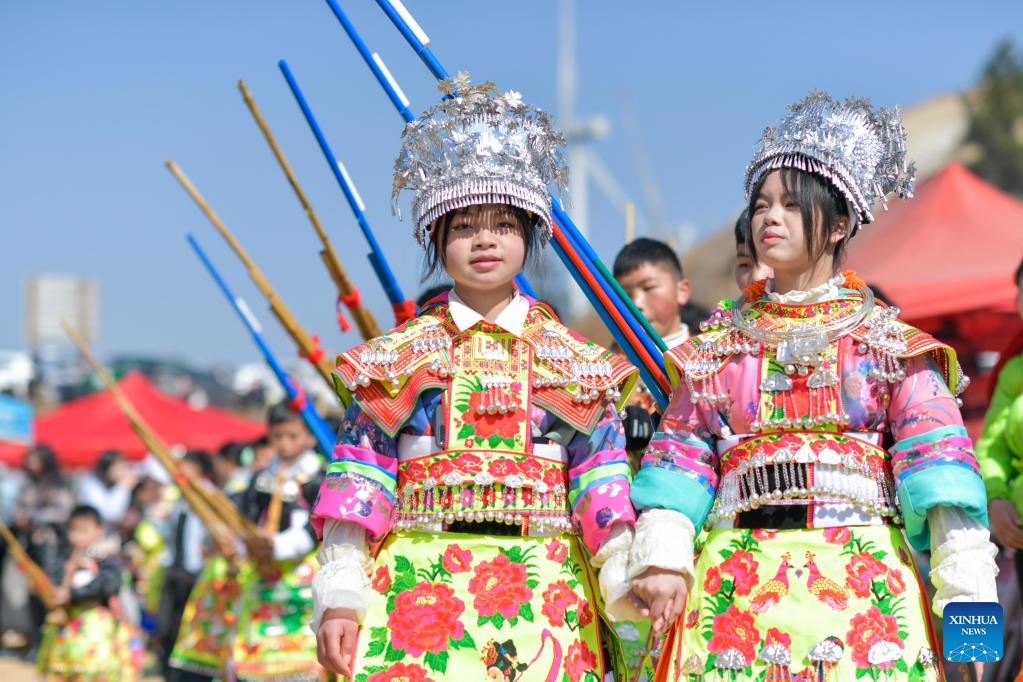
(570, 376)
(573, 377)
(386, 375)
(704, 356)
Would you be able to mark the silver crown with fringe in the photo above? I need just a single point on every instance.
(479, 146)
(859, 149)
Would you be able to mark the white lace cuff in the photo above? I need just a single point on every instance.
(613, 560)
(664, 539)
(342, 581)
(962, 558)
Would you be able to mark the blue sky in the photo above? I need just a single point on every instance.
(97, 95)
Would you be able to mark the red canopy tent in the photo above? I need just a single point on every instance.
(81, 429)
(946, 257)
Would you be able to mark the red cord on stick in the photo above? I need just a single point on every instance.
(316, 355)
(342, 321)
(297, 404)
(404, 311)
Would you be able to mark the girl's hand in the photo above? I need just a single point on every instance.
(663, 595)
(1005, 524)
(335, 640)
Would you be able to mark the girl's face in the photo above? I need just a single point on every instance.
(777, 223)
(484, 248)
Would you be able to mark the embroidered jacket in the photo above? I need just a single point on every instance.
(478, 417)
(753, 425)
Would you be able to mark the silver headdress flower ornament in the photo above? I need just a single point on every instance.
(479, 146)
(858, 149)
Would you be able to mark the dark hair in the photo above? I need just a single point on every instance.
(431, 293)
(880, 295)
(281, 413)
(201, 459)
(85, 511)
(439, 236)
(815, 196)
(692, 314)
(48, 462)
(641, 251)
(742, 227)
(232, 452)
(1019, 273)
(106, 460)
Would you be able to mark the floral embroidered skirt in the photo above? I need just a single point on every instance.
(807, 605)
(93, 645)
(640, 661)
(453, 606)
(204, 641)
(273, 641)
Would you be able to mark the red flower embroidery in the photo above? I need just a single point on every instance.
(579, 661)
(904, 557)
(554, 476)
(712, 583)
(382, 579)
(743, 567)
(530, 469)
(861, 570)
(424, 618)
(585, 613)
(456, 559)
(838, 535)
(867, 629)
(414, 471)
(487, 425)
(788, 441)
(762, 534)
(440, 467)
(499, 586)
(774, 635)
(557, 551)
(500, 468)
(734, 629)
(401, 672)
(470, 464)
(692, 619)
(557, 599)
(896, 585)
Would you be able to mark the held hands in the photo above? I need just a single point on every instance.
(1005, 523)
(660, 595)
(335, 640)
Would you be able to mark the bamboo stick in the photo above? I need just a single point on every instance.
(34, 573)
(307, 348)
(363, 317)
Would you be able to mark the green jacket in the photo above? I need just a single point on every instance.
(1000, 449)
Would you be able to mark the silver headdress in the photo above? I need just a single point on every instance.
(479, 146)
(859, 149)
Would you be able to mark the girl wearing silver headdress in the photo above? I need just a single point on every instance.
(811, 434)
(479, 481)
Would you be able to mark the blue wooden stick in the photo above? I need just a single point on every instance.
(419, 41)
(652, 343)
(397, 95)
(376, 257)
(317, 425)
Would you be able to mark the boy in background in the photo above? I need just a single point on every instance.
(87, 637)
